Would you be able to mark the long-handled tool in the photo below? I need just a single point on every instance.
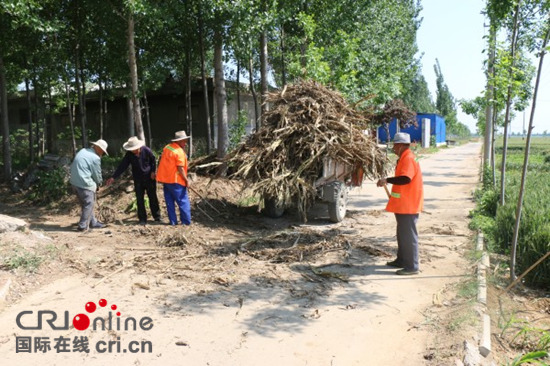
(387, 191)
(201, 197)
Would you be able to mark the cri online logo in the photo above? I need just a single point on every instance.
(82, 321)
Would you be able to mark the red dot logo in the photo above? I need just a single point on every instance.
(81, 322)
(90, 307)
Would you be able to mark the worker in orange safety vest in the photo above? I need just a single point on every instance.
(172, 172)
(406, 202)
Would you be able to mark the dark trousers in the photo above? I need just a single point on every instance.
(149, 186)
(407, 241)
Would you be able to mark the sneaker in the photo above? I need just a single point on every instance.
(406, 272)
(98, 225)
(394, 263)
(143, 223)
(81, 229)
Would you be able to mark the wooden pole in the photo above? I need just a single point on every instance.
(526, 272)
(387, 191)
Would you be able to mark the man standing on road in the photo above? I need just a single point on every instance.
(406, 202)
(85, 179)
(172, 172)
(144, 166)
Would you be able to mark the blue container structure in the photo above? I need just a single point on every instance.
(437, 129)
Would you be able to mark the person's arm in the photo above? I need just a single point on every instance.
(398, 181)
(182, 172)
(119, 170)
(404, 173)
(96, 171)
(153, 163)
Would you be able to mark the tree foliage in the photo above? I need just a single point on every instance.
(364, 49)
(445, 105)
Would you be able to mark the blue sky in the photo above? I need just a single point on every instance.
(452, 31)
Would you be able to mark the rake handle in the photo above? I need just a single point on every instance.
(387, 191)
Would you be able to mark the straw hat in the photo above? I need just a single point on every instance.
(402, 138)
(181, 135)
(132, 144)
(102, 144)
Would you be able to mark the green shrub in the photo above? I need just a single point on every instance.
(534, 230)
(487, 178)
(483, 216)
(237, 129)
(132, 206)
(22, 258)
(51, 186)
(488, 202)
(482, 222)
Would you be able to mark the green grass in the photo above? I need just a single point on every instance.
(468, 289)
(467, 317)
(497, 222)
(28, 260)
(248, 201)
(22, 258)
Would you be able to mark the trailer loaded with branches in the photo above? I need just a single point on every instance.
(312, 144)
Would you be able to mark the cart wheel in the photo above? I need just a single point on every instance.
(273, 208)
(337, 208)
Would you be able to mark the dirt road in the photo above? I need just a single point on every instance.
(230, 307)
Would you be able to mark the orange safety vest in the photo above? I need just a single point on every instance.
(172, 157)
(407, 198)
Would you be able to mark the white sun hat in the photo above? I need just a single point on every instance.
(102, 144)
(181, 135)
(133, 143)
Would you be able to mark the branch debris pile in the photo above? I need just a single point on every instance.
(306, 124)
(299, 246)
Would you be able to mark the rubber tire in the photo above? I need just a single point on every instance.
(337, 209)
(273, 208)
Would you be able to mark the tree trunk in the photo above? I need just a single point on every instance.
(71, 120)
(40, 121)
(508, 106)
(101, 122)
(49, 131)
(29, 120)
(283, 69)
(79, 80)
(489, 110)
(493, 150)
(238, 88)
(134, 77)
(263, 72)
(188, 100)
(526, 160)
(253, 92)
(130, 111)
(148, 118)
(81, 107)
(221, 96)
(5, 122)
(205, 86)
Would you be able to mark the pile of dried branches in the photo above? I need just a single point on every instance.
(297, 246)
(307, 123)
